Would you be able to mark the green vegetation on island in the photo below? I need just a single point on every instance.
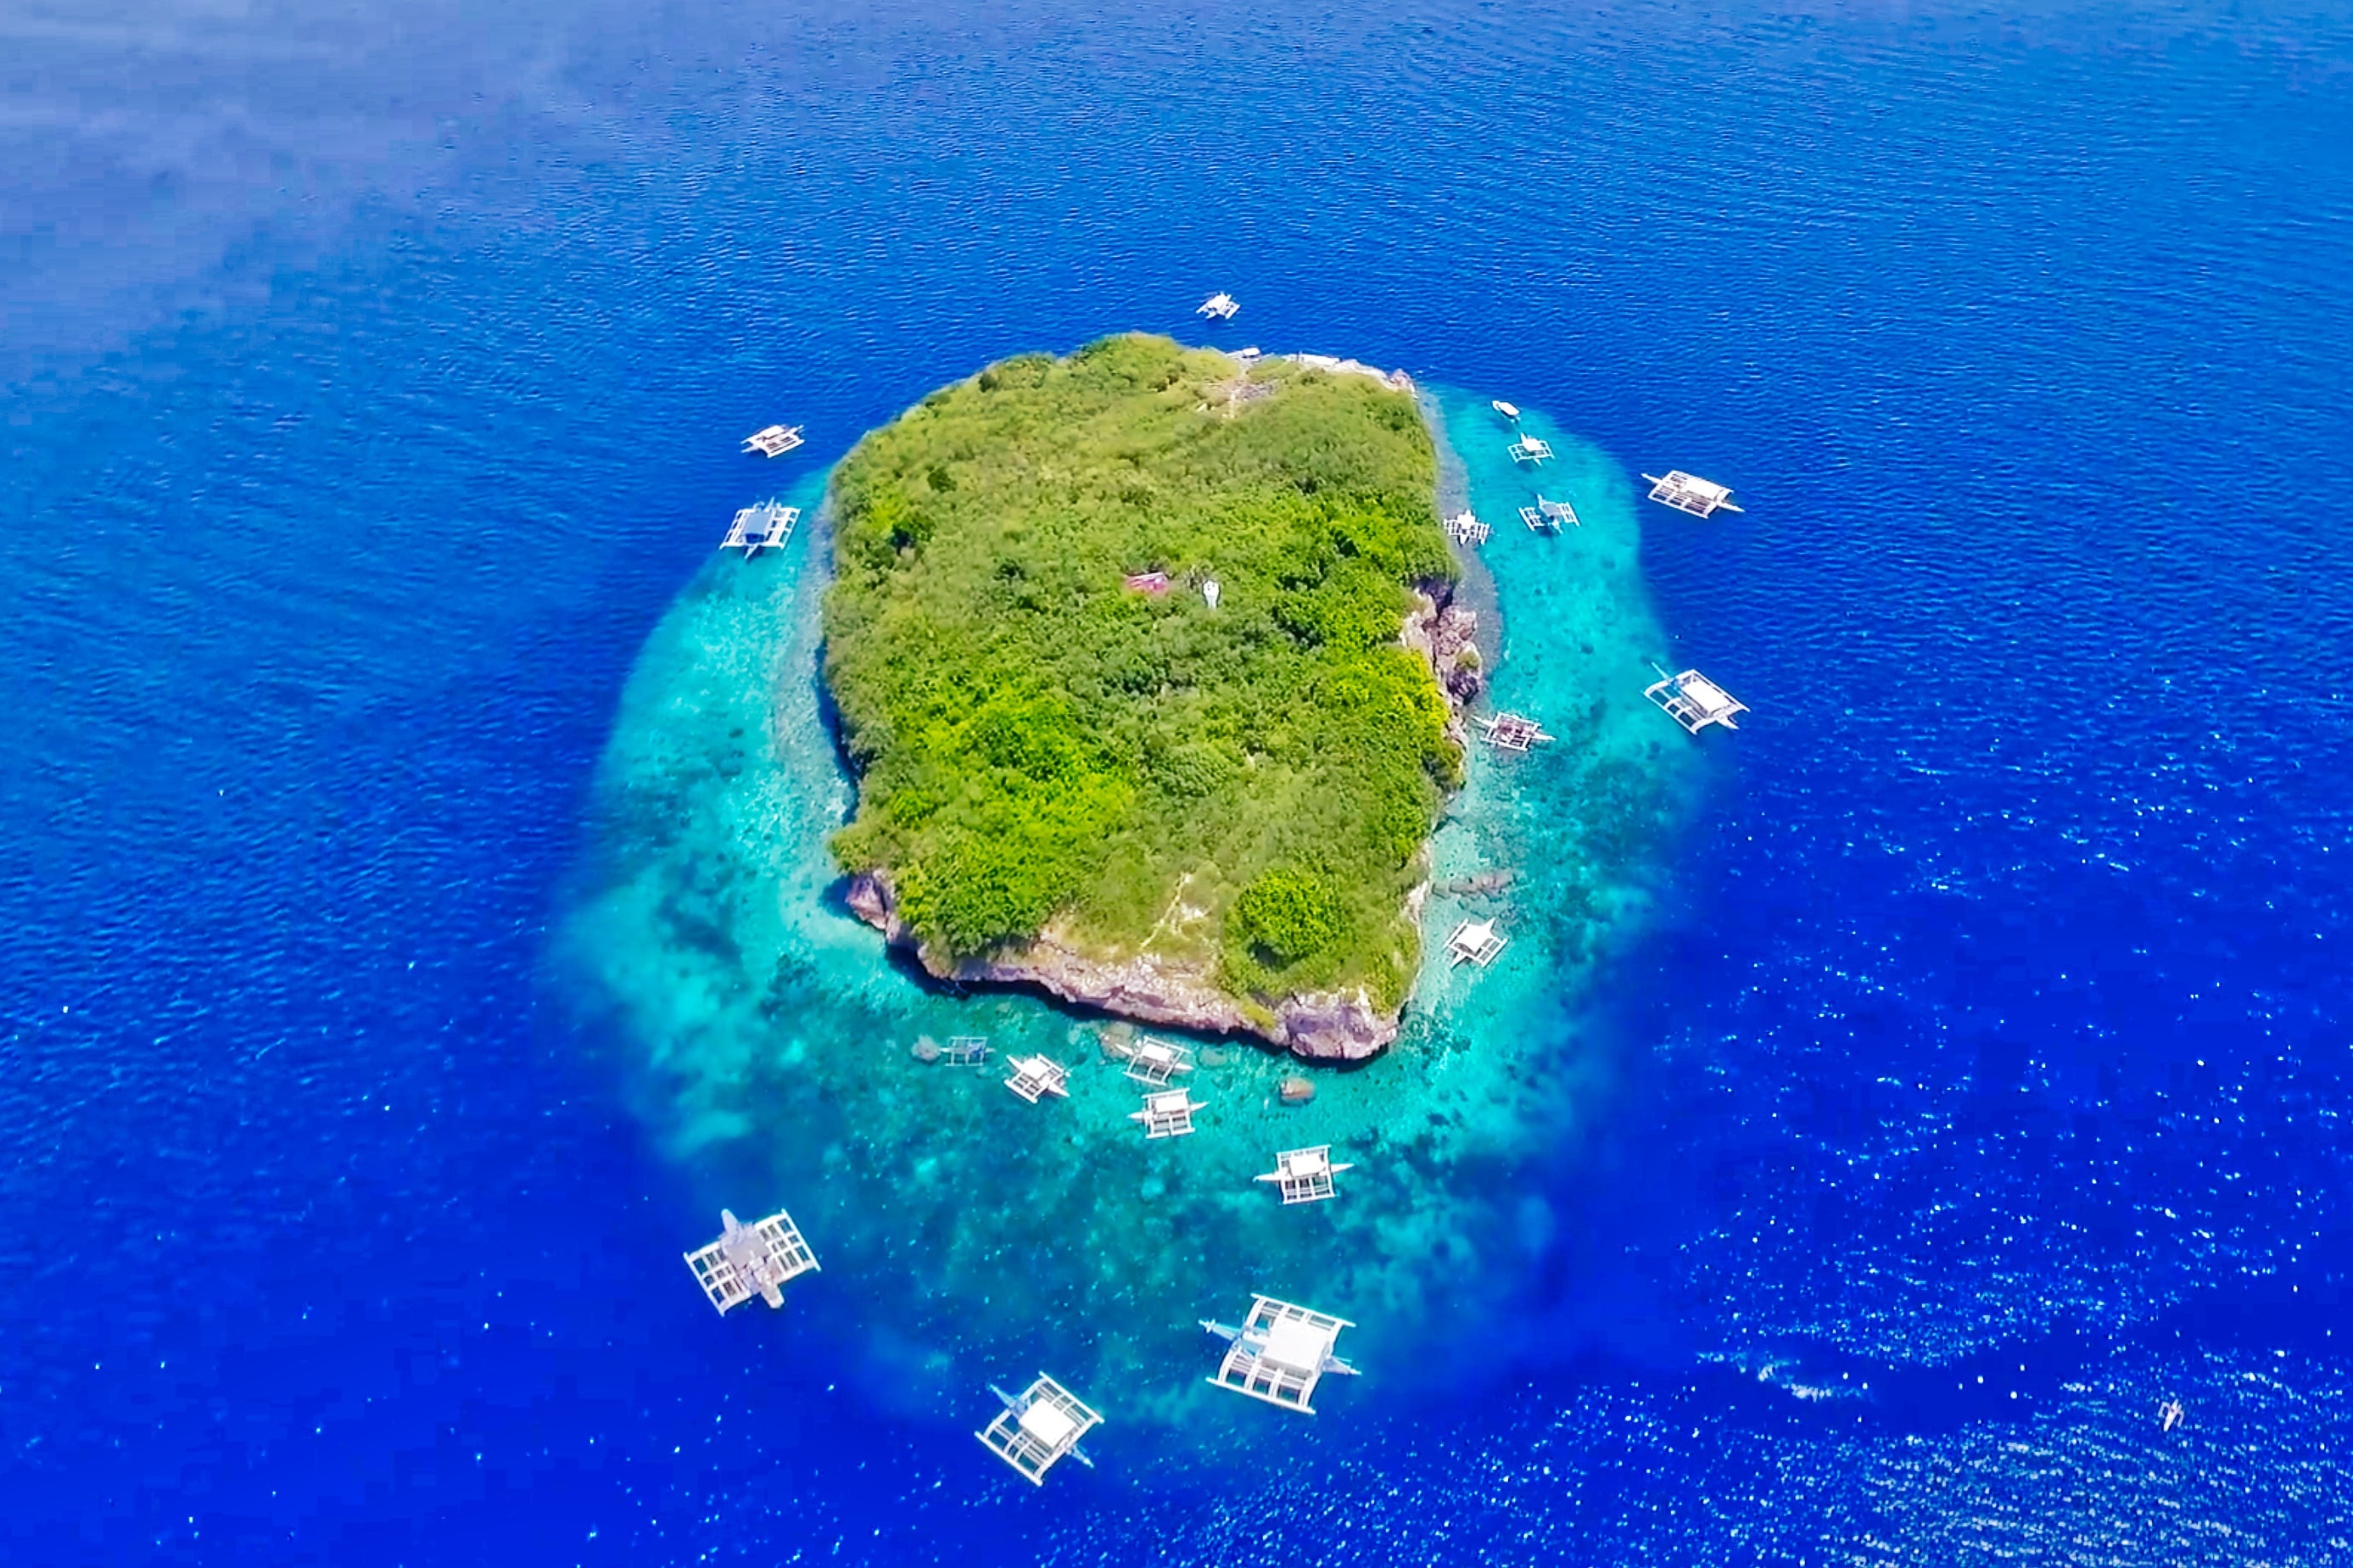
(1244, 787)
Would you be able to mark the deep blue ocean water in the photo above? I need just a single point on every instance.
(373, 381)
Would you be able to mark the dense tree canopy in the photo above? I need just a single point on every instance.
(1249, 784)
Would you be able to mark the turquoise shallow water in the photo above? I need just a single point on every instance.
(967, 1236)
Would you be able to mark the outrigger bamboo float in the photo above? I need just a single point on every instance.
(763, 527)
(1694, 702)
(965, 1050)
(1280, 1353)
(775, 441)
(749, 1260)
(1304, 1176)
(1689, 492)
(1511, 731)
(1039, 1428)
(1218, 307)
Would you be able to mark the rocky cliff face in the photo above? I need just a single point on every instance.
(1320, 1026)
(1336, 1026)
(1441, 630)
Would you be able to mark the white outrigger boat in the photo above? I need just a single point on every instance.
(775, 441)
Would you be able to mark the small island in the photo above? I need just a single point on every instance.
(1148, 671)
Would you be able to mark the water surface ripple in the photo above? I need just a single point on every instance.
(1985, 1022)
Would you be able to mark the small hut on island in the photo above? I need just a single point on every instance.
(750, 1261)
(1039, 1428)
(1279, 1352)
(1689, 492)
(1304, 1176)
(1694, 702)
(1037, 1077)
